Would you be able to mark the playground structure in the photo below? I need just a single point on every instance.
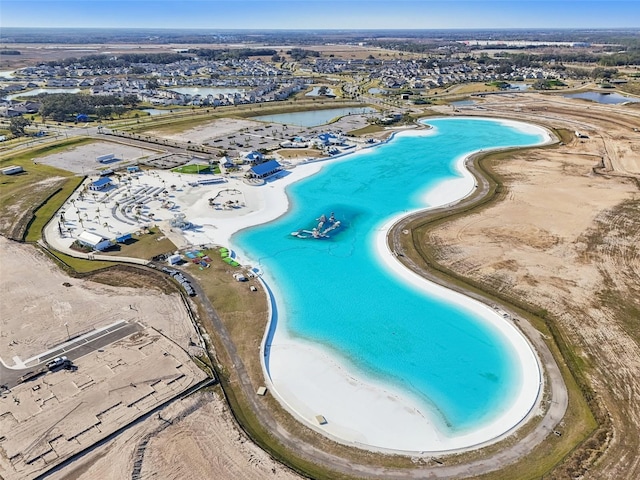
(179, 221)
(225, 200)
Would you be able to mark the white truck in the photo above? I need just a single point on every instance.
(57, 362)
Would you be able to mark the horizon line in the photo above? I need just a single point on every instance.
(386, 29)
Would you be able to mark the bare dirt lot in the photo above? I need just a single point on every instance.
(41, 306)
(112, 386)
(192, 438)
(82, 159)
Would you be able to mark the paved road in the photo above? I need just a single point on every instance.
(73, 350)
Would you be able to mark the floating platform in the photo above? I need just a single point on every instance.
(321, 230)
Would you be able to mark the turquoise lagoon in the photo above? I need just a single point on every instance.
(336, 292)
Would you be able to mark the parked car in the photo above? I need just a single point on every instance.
(57, 362)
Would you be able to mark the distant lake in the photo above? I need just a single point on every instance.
(463, 103)
(519, 86)
(316, 92)
(608, 98)
(38, 91)
(155, 111)
(205, 91)
(313, 118)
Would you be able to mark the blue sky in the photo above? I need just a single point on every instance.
(326, 14)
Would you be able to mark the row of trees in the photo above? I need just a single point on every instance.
(298, 54)
(60, 106)
(121, 60)
(232, 54)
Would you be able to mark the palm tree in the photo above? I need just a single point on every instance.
(107, 226)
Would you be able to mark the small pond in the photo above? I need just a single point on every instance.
(205, 91)
(38, 91)
(600, 97)
(155, 111)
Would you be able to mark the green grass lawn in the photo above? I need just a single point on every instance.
(367, 130)
(79, 265)
(196, 169)
(146, 246)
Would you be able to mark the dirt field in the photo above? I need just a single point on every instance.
(201, 441)
(36, 303)
(564, 238)
(203, 438)
(82, 159)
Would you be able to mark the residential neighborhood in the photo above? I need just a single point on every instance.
(248, 81)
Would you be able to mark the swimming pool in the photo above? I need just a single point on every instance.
(453, 365)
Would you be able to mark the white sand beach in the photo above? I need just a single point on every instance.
(307, 379)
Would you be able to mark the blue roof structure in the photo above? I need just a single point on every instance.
(124, 238)
(101, 182)
(266, 167)
(253, 155)
(327, 137)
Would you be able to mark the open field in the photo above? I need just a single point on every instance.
(42, 306)
(48, 419)
(22, 194)
(193, 437)
(82, 159)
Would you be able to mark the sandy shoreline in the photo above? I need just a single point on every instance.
(309, 380)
